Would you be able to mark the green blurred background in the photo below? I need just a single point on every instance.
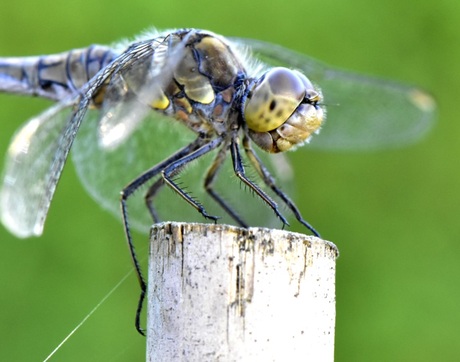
(393, 214)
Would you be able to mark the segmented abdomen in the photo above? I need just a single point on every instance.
(53, 76)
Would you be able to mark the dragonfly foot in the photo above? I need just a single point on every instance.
(210, 217)
(309, 227)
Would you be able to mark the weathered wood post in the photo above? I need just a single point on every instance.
(223, 293)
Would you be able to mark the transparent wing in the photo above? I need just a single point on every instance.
(27, 171)
(39, 151)
(362, 112)
(136, 84)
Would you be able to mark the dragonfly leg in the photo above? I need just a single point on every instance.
(208, 186)
(150, 195)
(270, 182)
(126, 193)
(240, 172)
(174, 168)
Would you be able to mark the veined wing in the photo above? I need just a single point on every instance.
(362, 112)
(136, 87)
(24, 200)
(38, 152)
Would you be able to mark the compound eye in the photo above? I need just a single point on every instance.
(274, 98)
(311, 94)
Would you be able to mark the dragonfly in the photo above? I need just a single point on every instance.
(171, 108)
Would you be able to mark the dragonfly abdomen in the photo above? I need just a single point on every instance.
(53, 76)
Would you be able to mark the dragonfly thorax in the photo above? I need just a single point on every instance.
(203, 85)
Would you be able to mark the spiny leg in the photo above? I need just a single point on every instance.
(240, 172)
(150, 195)
(270, 182)
(152, 192)
(209, 181)
(174, 168)
(126, 193)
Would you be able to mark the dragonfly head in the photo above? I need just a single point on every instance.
(282, 110)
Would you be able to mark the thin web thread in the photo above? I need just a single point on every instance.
(88, 315)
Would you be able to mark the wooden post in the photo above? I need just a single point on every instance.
(223, 293)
